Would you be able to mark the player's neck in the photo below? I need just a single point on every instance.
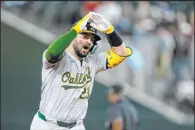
(72, 51)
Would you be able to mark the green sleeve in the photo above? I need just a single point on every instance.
(56, 49)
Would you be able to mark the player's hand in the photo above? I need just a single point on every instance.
(82, 23)
(101, 24)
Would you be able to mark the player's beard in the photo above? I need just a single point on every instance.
(78, 52)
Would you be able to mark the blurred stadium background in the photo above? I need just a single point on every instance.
(158, 77)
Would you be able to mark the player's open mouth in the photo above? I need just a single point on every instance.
(86, 47)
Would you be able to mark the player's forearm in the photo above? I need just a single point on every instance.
(119, 52)
(116, 43)
(56, 49)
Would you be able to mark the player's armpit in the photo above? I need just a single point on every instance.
(48, 64)
(114, 59)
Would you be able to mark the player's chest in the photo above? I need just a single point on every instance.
(77, 73)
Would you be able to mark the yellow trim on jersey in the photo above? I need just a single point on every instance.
(115, 59)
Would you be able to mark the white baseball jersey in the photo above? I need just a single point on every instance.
(67, 85)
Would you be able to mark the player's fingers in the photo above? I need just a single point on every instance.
(100, 17)
(96, 26)
(95, 18)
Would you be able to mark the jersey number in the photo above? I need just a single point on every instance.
(85, 93)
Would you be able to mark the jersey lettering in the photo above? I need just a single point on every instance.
(79, 81)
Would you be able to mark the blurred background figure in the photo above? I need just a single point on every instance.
(161, 33)
(122, 115)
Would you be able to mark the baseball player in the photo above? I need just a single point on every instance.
(69, 67)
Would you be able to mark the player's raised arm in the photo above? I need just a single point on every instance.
(56, 49)
(119, 52)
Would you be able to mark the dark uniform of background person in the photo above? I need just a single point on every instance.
(121, 115)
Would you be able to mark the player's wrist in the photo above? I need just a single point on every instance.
(77, 29)
(109, 30)
(114, 39)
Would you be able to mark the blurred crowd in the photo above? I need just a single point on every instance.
(160, 32)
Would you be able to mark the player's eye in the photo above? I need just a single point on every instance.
(85, 36)
(93, 40)
(88, 37)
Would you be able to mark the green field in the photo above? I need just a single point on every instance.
(21, 82)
